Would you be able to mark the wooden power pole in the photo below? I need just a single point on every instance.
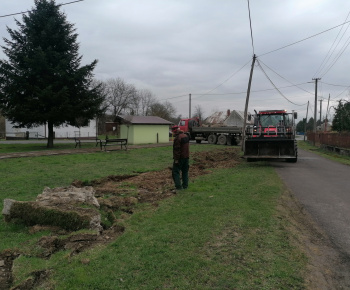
(315, 112)
(247, 102)
(307, 112)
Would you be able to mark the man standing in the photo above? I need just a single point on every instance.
(181, 155)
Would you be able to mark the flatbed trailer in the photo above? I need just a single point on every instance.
(229, 135)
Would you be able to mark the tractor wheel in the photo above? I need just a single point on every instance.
(212, 139)
(222, 140)
(294, 160)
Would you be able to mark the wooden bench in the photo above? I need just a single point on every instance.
(78, 140)
(113, 142)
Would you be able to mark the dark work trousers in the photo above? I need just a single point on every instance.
(182, 166)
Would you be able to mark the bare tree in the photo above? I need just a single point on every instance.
(146, 99)
(102, 90)
(198, 112)
(165, 110)
(120, 96)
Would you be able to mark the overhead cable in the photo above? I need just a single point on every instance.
(251, 30)
(235, 93)
(231, 76)
(176, 97)
(256, 91)
(285, 78)
(336, 58)
(344, 86)
(259, 65)
(58, 5)
(329, 53)
(303, 39)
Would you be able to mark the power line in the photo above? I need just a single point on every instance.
(235, 93)
(342, 92)
(231, 76)
(330, 54)
(176, 97)
(257, 91)
(344, 86)
(276, 87)
(7, 15)
(284, 78)
(303, 39)
(340, 53)
(251, 30)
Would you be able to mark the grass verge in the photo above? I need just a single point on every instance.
(325, 153)
(225, 232)
(21, 147)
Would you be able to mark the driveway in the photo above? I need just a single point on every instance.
(322, 186)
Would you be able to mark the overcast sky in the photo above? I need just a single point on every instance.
(203, 47)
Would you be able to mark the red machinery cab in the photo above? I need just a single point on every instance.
(272, 136)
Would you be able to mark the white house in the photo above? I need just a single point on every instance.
(60, 132)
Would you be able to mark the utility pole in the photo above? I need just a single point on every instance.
(307, 112)
(189, 114)
(321, 112)
(315, 112)
(247, 102)
(326, 121)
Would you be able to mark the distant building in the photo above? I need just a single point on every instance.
(63, 131)
(228, 118)
(141, 129)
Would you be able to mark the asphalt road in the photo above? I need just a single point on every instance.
(323, 188)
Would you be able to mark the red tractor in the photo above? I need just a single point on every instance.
(272, 136)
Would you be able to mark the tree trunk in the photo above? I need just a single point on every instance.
(51, 136)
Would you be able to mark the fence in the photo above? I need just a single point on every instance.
(338, 140)
(20, 135)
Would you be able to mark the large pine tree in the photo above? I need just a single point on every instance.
(42, 81)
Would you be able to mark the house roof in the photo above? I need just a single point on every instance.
(143, 120)
(226, 118)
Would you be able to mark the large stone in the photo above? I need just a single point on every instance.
(7, 206)
(68, 195)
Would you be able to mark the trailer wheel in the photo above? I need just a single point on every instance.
(222, 140)
(198, 141)
(212, 139)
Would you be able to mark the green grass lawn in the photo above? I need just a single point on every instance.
(325, 153)
(225, 232)
(19, 147)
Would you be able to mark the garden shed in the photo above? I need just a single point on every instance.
(142, 129)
